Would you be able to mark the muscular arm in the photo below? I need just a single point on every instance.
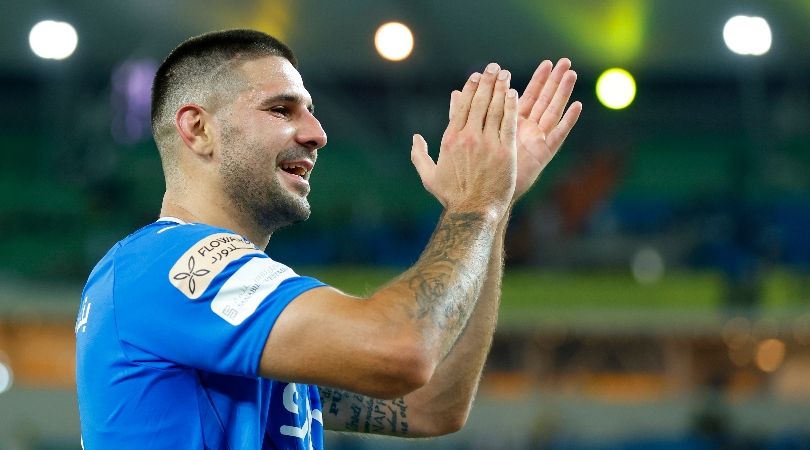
(442, 405)
(390, 342)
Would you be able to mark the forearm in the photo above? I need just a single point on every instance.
(442, 405)
(438, 294)
(448, 397)
(390, 343)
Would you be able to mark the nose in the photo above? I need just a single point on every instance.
(310, 132)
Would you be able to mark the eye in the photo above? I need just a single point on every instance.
(280, 110)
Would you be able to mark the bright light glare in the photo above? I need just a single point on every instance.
(647, 266)
(6, 377)
(50, 39)
(770, 355)
(616, 88)
(394, 41)
(746, 35)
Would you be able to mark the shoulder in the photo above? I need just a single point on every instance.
(170, 235)
(195, 242)
(188, 256)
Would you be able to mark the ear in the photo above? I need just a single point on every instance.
(193, 124)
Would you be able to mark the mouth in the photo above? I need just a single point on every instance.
(298, 171)
(300, 168)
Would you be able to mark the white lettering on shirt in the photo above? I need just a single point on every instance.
(290, 394)
(247, 288)
(84, 314)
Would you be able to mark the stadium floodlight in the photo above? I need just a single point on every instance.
(746, 35)
(6, 377)
(50, 39)
(394, 41)
(616, 88)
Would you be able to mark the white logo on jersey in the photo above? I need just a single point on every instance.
(290, 403)
(84, 314)
(203, 261)
(239, 297)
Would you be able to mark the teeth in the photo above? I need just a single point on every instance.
(295, 169)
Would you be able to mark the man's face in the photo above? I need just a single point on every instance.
(269, 141)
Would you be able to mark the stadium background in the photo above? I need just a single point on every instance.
(657, 292)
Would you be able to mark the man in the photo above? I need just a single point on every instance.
(189, 336)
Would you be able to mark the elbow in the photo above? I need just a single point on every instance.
(444, 423)
(405, 368)
(409, 370)
(453, 423)
(417, 368)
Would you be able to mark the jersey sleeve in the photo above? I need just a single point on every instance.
(196, 296)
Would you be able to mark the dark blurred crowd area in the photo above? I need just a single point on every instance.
(709, 174)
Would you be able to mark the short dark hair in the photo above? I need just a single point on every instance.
(199, 67)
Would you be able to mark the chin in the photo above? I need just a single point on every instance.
(301, 218)
(278, 216)
(301, 213)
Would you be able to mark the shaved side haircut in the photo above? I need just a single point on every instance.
(201, 70)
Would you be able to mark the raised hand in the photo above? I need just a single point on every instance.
(542, 126)
(476, 167)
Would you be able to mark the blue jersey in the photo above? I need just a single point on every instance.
(170, 332)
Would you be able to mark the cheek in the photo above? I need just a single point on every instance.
(240, 150)
(278, 134)
(257, 143)
(259, 153)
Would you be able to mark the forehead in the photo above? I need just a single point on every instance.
(271, 76)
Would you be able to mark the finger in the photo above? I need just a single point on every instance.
(492, 124)
(557, 136)
(482, 97)
(421, 159)
(460, 106)
(532, 91)
(555, 109)
(453, 104)
(509, 120)
(549, 88)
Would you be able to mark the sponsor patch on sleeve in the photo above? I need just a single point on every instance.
(242, 293)
(203, 261)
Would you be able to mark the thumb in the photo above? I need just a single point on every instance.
(421, 160)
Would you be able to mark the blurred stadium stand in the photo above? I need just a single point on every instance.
(658, 284)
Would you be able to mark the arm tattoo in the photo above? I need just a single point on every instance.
(347, 411)
(448, 277)
(445, 284)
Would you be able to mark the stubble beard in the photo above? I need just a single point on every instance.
(256, 191)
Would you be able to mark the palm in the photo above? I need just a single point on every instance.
(542, 126)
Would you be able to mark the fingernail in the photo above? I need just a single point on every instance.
(511, 93)
(492, 68)
(475, 77)
(503, 74)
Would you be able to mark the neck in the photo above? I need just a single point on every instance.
(190, 208)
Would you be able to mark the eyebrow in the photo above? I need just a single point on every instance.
(287, 98)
